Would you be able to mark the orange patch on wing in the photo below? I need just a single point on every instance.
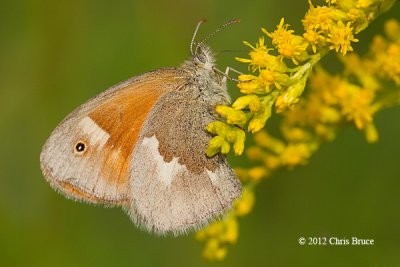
(122, 116)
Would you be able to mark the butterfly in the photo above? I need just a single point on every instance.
(141, 144)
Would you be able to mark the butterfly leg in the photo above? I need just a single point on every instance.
(226, 74)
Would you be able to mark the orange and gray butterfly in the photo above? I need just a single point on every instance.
(141, 145)
(87, 155)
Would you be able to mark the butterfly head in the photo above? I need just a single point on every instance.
(203, 57)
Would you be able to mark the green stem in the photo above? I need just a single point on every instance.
(307, 67)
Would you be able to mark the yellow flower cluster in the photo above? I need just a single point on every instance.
(220, 234)
(279, 73)
(333, 101)
(278, 77)
(386, 60)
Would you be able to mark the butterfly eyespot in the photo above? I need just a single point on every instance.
(80, 147)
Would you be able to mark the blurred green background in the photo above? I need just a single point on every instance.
(54, 55)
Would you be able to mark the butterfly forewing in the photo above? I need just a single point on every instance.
(107, 128)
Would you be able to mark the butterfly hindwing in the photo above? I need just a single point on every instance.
(174, 186)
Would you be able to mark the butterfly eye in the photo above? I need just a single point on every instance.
(201, 58)
(80, 147)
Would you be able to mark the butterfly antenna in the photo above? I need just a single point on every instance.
(195, 33)
(232, 51)
(217, 30)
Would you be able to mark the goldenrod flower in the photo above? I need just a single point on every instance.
(392, 30)
(357, 106)
(250, 84)
(225, 135)
(245, 203)
(265, 140)
(365, 3)
(318, 18)
(255, 153)
(231, 231)
(288, 45)
(251, 101)
(385, 59)
(361, 69)
(296, 154)
(259, 56)
(272, 162)
(257, 173)
(371, 134)
(341, 37)
(329, 115)
(290, 96)
(281, 34)
(325, 132)
(295, 134)
(389, 62)
(233, 116)
(313, 38)
(238, 145)
(213, 250)
(273, 77)
(260, 118)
